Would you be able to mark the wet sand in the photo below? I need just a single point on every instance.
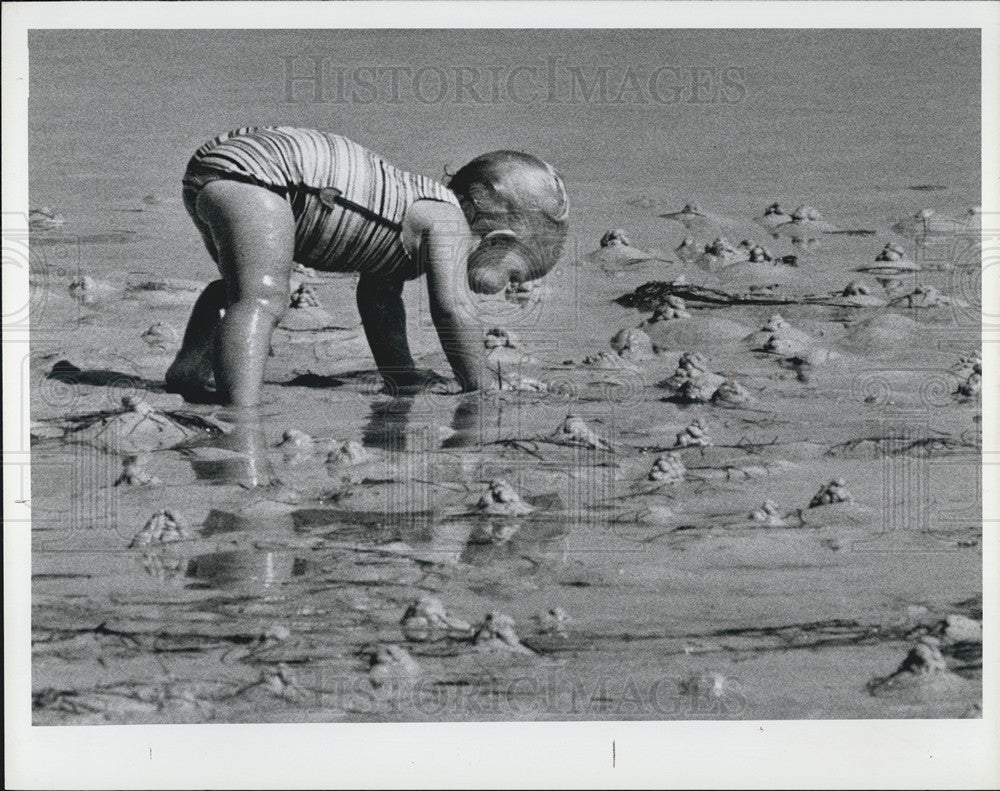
(268, 603)
(633, 595)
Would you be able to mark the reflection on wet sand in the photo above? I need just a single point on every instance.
(245, 570)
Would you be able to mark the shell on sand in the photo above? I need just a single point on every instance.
(885, 335)
(695, 331)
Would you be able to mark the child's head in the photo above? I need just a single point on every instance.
(518, 204)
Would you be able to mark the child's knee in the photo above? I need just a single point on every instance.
(269, 304)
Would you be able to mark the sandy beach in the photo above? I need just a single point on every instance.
(744, 483)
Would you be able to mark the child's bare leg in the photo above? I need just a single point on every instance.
(191, 371)
(254, 233)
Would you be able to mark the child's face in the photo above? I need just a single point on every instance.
(500, 259)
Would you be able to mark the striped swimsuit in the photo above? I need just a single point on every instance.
(348, 202)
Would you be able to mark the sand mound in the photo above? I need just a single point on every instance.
(668, 469)
(305, 313)
(616, 251)
(497, 633)
(575, 431)
(859, 294)
(923, 675)
(773, 216)
(134, 473)
(672, 308)
(701, 330)
(390, 664)
(139, 428)
(885, 335)
(776, 329)
(633, 344)
(427, 618)
(806, 223)
(503, 500)
(163, 527)
(927, 297)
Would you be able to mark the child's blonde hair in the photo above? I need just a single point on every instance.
(509, 190)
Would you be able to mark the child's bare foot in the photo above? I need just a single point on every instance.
(411, 382)
(194, 388)
(194, 391)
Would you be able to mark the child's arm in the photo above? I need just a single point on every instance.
(380, 303)
(444, 245)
